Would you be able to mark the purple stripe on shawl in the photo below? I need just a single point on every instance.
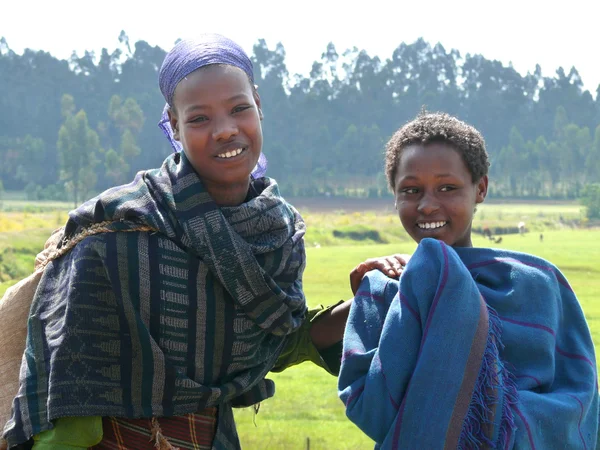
(550, 331)
(394, 404)
(349, 353)
(354, 395)
(469, 381)
(539, 383)
(529, 325)
(579, 423)
(508, 437)
(520, 414)
(377, 298)
(559, 276)
(429, 318)
(575, 356)
(404, 303)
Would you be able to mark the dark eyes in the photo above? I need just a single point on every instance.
(235, 110)
(447, 188)
(409, 191)
(241, 108)
(414, 190)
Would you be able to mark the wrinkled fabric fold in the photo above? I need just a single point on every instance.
(163, 323)
(472, 348)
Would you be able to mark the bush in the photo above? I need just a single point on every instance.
(359, 233)
(497, 230)
(590, 198)
(51, 192)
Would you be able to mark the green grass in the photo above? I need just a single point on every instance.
(306, 403)
(15, 205)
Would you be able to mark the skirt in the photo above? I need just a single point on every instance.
(189, 432)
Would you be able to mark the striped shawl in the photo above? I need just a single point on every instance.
(142, 324)
(473, 348)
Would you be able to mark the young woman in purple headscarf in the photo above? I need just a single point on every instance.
(147, 334)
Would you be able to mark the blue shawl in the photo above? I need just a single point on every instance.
(141, 324)
(472, 348)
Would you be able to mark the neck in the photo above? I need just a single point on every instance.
(230, 195)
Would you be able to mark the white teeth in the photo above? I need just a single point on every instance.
(431, 225)
(230, 153)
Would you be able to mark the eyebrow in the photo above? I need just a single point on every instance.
(439, 175)
(235, 98)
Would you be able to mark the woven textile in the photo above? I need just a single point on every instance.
(145, 324)
(472, 348)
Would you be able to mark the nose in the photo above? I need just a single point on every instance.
(225, 129)
(428, 204)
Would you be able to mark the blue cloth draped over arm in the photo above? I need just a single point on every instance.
(472, 348)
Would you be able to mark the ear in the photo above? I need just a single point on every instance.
(257, 100)
(174, 121)
(482, 187)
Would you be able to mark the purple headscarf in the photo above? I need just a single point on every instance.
(189, 55)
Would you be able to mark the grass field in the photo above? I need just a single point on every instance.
(306, 406)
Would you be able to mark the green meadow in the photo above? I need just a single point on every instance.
(305, 412)
(306, 407)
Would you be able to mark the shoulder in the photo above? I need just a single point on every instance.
(377, 286)
(518, 266)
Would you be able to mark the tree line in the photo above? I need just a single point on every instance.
(73, 127)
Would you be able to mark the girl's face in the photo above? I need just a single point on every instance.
(216, 117)
(435, 194)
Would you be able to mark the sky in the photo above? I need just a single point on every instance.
(524, 32)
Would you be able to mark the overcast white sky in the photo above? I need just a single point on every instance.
(524, 32)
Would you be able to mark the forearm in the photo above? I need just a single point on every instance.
(318, 340)
(328, 328)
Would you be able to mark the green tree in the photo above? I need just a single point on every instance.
(592, 162)
(31, 166)
(119, 137)
(77, 145)
(115, 167)
(590, 198)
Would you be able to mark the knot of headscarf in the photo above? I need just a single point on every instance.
(191, 54)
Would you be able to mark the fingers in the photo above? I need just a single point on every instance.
(395, 266)
(401, 258)
(356, 276)
(388, 265)
(392, 266)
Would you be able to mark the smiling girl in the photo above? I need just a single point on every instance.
(184, 289)
(472, 347)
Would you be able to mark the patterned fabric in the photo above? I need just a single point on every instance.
(158, 324)
(189, 432)
(472, 348)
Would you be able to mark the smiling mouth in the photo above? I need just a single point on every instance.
(232, 153)
(431, 226)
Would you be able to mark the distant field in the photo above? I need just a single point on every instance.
(306, 404)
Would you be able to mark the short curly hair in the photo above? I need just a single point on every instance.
(438, 127)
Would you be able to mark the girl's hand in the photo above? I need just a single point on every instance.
(392, 266)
